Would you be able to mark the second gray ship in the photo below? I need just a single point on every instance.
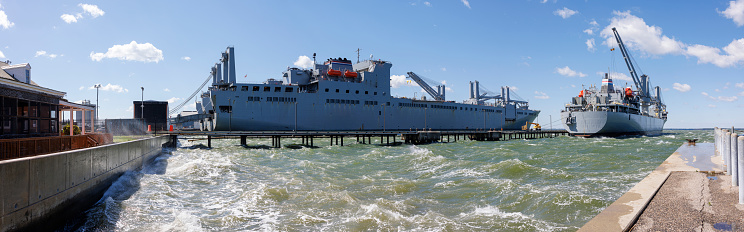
(612, 112)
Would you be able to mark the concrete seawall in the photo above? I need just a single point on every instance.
(42, 192)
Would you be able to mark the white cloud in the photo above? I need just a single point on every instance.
(173, 99)
(427, 4)
(566, 71)
(145, 52)
(741, 93)
(45, 54)
(727, 99)
(130, 109)
(636, 34)
(617, 76)
(735, 11)
(543, 1)
(711, 106)
(444, 69)
(739, 85)
(565, 12)
(705, 54)
(303, 62)
(81, 88)
(68, 18)
(513, 88)
(541, 95)
(93, 10)
(4, 21)
(166, 90)
(682, 87)
(594, 23)
(466, 3)
(590, 45)
(396, 81)
(112, 88)
(589, 31)
(186, 58)
(720, 98)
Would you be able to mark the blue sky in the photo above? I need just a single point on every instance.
(548, 49)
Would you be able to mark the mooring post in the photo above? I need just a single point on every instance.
(740, 154)
(734, 159)
(342, 140)
(209, 141)
(726, 150)
(311, 141)
(242, 140)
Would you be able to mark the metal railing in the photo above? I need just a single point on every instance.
(27, 147)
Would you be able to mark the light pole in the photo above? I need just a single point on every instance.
(97, 86)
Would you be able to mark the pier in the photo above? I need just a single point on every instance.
(365, 137)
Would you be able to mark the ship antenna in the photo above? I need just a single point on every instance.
(314, 58)
(358, 50)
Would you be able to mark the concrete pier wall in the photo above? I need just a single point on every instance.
(42, 192)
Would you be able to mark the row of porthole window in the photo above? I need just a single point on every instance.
(268, 89)
(342, 101)
(347, 91)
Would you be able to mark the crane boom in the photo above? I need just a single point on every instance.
(636, 80)
(437, 95)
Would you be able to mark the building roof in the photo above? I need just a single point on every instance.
(5, 75)
(7, 79)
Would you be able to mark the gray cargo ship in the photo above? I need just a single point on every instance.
(340, 96)
(613, 112)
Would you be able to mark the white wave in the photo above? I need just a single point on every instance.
(491, 211)
(183, 221)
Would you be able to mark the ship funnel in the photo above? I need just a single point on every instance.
(505, 94)
(477, 90)
(472, 92)
(218, 73)
(607, 86)
(231, 64)
(225, 74)
(443, 93)
(214, 75)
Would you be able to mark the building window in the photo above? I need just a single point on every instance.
(357, 92)
(336, 90)
(375, 93)
(267, 89)
(326, 89)
(366, 92)
(288, 89)
(277, 89)
(255, 88)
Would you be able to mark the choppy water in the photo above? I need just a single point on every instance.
(520, 185)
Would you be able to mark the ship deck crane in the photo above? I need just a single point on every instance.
(641, 82)
(437, 95)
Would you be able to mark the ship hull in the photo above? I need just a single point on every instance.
(606, 123)
(311, 112)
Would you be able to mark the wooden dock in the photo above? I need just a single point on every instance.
(365, 137)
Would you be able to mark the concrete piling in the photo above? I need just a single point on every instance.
(734, 160)
(740, 155)
(727, 150)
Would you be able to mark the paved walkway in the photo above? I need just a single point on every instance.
(693, 201)
(679, 196)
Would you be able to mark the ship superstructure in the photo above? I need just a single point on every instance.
(337, 95)
(612, 112)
